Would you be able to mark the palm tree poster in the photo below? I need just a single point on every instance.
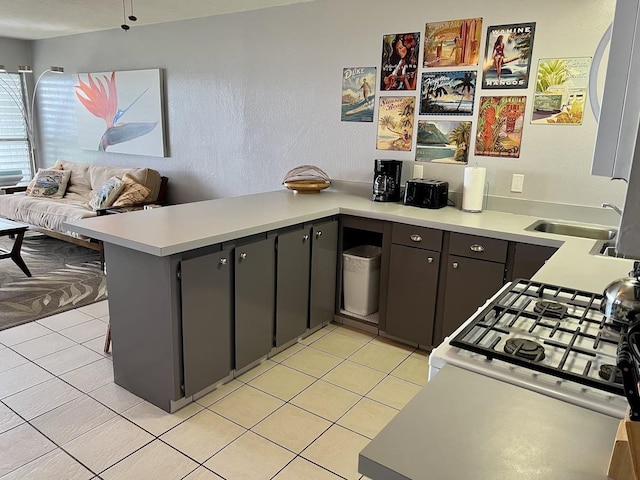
(358, 90)
(507, 58)
(395, 123)
(561, 91)
(443, 142)
(121, 112)
(447, 93)
(500, 121)
(452, 43)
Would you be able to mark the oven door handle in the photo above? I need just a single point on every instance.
(627, 365)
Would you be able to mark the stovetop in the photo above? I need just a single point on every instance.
(549, 329)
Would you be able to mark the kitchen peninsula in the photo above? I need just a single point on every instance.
(147, 250)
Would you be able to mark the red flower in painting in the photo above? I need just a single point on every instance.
(98, 98)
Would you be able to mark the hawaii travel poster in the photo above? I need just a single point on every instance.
(399, 61)
(508, 56)
(500, 122)
(443, 141)
(452, 43)
(447, 93)
(395, 123)
(561, 91)
(358, 91)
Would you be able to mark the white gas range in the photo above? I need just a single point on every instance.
(545, 338)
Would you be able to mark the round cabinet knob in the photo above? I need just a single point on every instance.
(305, 238)
(223, 261)
(415, 238)
(318, 234)
(430, 260)
(455, 265)
(476, 248)
(243, 256)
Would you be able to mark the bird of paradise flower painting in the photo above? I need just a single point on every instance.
(120, 112)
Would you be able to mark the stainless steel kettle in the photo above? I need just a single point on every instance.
(621, 302)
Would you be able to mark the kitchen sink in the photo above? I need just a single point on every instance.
(607, 248)
(573, 229)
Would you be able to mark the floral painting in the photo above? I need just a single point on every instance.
(121, 112)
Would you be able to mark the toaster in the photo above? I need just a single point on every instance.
(426, 193)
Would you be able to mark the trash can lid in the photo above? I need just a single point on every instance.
(364, 251)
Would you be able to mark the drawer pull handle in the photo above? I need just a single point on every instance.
(476, 248)
(305, 238)
(430, 260)
(455, 265)
(416, 238)
(223, 261)
(318, 233)
(243, 256)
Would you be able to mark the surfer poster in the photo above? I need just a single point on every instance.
(447, 93)
(443, 142)
(507, 57)
(452, 43)
(561, 91)
(500, 122)
(395, 123)
(399, 61)
(358, 92)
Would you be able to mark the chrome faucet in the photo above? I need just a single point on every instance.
(613, 207)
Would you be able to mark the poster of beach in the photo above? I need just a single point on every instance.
(507, 57)
(395, 123)
(443, 142)
(358, 91)
(447, 93)
(452, 43)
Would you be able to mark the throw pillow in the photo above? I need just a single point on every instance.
(133, 192)
(33, 180)
(50, 183)
(107, 193)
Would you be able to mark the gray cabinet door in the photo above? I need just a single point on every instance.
(292, 298)
(470, 283)
(206, 320)
(411, 298)
(324, 259)
(254, 300)
(528, 259)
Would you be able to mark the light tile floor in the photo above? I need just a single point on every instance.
(303, 414)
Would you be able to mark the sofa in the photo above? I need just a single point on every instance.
(85, 181)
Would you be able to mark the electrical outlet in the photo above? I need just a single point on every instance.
(417, 171)
(517, 183)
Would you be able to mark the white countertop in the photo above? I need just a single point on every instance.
(174, 229)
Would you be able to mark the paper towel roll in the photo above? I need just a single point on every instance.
(473, 189)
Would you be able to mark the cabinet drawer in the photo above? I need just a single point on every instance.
(419, 237)
(472, 246)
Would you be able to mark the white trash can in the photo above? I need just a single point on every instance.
(361, 279)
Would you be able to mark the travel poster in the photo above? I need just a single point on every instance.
(508, 56)
(561, 91)
(399, 61)
(447, 93)
(358, 92)
(452, 43)
(395, 123)
(500, 121)
(443, 141)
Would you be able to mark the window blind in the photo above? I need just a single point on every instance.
(14, 142)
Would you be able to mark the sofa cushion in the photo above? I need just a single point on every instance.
(33, 180)
(146, 176)
(107, 193)
(133, 192)
(50, 183)
(79, 187)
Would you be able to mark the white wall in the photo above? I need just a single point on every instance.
(251, 95)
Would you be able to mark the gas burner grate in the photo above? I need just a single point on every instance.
(610, 373)
(551, 309)
(521, 347)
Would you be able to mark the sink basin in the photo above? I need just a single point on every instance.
(573, 229)
(607, 248)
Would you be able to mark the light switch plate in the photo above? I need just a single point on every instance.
(418, 171)
(517, 183)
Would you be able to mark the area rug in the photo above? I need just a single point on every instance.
(64, 276)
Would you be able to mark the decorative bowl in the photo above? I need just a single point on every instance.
(306, 179)
(307, 186)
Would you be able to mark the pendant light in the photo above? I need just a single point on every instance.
(131, 17)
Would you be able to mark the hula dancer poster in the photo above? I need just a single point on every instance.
(399, 61)
(452, 43)
(443, 142)
(508, 56)
(358, 91)
(500, 122)
(447, 93)
(395, 123)
(561, 91)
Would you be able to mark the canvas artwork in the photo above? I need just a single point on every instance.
(500, 121)
(443, 142)
(358, 94)
(395, 123)
(508, 56)
(452, 43)
(447, 93)
(561, 91)
(121, 112)
(399, 61)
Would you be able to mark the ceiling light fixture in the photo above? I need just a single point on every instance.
(131, 17)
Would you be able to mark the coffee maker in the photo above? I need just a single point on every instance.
(386, 181)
